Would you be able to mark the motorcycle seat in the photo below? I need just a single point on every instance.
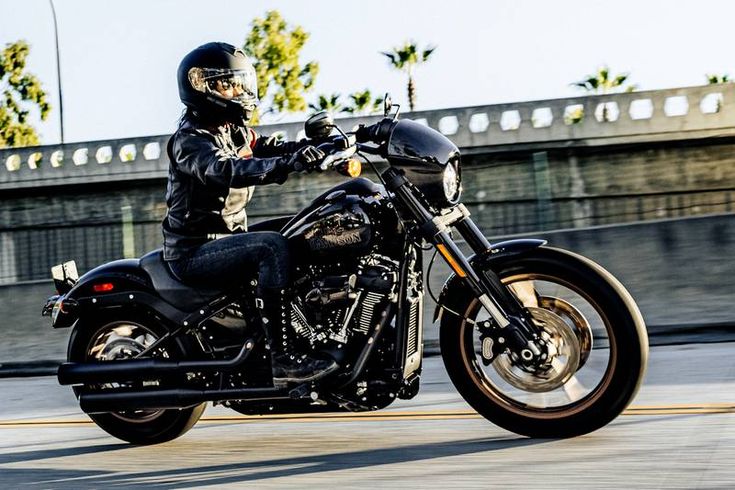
(182, 296)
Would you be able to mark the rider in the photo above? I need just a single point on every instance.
(216, 160)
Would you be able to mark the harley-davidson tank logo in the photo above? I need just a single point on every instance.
(347, 237)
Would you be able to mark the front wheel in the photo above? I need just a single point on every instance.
(598, 347)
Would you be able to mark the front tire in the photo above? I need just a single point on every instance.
(118, 335)
(605, 357)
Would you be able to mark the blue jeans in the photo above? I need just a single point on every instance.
(230, 261)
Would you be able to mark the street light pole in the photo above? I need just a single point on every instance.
(58, 71)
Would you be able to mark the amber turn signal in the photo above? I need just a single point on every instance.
(351, 168)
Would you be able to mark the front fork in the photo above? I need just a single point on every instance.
(504, 308)
(507, 312)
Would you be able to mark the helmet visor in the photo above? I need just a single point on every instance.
(238, 85)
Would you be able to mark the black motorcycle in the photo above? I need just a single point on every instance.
(540, 341)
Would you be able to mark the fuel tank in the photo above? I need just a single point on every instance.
(347, 220)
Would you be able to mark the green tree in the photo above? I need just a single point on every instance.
(20, 91)
(363, 103)
(405, 58)
(329, 103)
(274, 48)
(715, 79)
(603, 83)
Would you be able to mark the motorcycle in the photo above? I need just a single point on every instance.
(540, 341)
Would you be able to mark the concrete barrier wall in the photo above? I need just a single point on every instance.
(24, 334)
(598, 120)
(679, 271)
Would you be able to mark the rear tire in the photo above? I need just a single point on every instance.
(139, 427)
(533, 412)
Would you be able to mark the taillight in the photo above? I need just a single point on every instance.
(103, 287)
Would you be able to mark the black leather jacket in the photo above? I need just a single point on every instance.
(211, 178)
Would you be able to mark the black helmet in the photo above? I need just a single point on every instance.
(218, 82)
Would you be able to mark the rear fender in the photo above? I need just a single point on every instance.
(112, 285)
(454, 289)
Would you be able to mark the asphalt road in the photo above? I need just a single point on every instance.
(679, 433)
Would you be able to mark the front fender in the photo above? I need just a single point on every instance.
(497, 251)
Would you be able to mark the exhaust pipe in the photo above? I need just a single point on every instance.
(74, 373)
(121, 401)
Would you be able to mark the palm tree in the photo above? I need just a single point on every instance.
(405, 59)
(363, 103)
(603, 83)
(715, 79)
(329, 103)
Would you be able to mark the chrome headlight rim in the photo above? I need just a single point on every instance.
(451, 183)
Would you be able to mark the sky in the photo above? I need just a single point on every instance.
(119, 58)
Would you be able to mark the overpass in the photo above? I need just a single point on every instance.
(529, 166)
(642, 182)
(668, 116)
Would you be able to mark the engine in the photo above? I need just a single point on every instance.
(331, 308)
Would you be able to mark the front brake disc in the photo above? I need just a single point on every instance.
(562, 361)
(569, 313)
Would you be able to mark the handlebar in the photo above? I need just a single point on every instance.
(340, 148)
(371, 150)
(376, 133)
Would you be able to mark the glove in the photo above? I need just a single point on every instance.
(306, 159)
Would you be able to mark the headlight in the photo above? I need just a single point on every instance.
(452, 185)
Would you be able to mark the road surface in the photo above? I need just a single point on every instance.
(679, 433)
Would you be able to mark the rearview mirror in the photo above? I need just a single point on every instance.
(319, 126)
(387, 104)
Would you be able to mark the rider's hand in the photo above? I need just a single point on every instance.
(306, 159)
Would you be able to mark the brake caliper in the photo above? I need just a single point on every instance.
(492, 341)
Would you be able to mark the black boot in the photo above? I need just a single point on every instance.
(287, 365)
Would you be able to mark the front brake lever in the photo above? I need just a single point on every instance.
(335, 158)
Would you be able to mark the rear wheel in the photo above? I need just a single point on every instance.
(124, 335)
(597, 341)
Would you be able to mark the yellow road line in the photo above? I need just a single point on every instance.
(704, 408)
